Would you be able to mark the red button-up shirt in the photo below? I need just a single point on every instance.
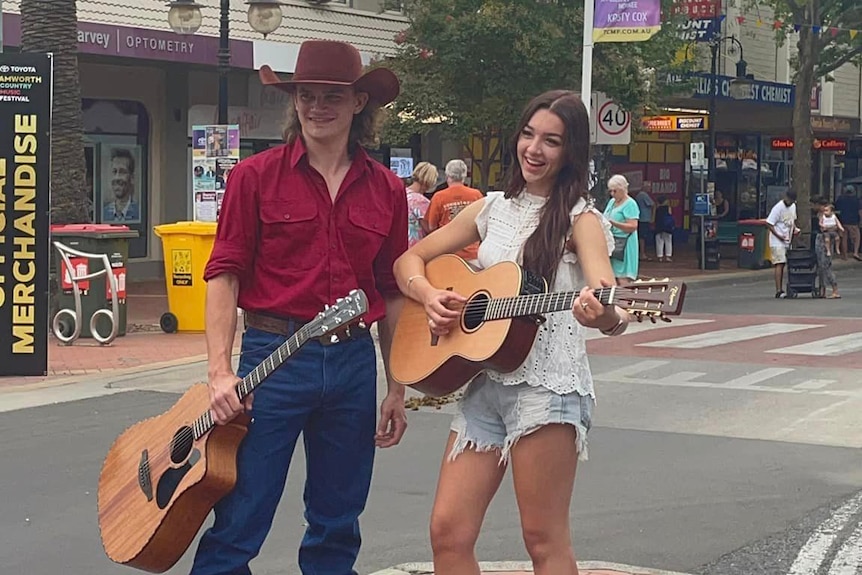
(293, 249)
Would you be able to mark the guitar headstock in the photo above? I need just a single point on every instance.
(651, 299)
(345, 312)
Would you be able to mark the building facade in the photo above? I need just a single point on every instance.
(143, 87)
(754, 146)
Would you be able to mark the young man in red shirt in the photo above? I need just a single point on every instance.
(301, 225)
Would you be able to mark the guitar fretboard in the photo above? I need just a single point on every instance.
(251, 381)
(537, 304)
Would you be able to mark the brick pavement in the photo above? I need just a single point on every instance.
(143, 345)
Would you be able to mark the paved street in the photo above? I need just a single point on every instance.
(711, 453)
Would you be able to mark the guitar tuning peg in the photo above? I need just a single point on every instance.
(362, 324)
(339, 300)
(333, 338)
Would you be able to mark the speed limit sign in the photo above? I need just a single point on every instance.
(614, 125)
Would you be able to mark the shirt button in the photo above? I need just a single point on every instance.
(287, 216)
(332, 246)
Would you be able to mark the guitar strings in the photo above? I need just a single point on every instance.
(187, 432)
(482, 305)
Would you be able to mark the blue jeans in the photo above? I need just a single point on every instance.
(329, 393)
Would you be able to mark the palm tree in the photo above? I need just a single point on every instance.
(52, 26)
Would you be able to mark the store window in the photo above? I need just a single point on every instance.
(777, 166)
(116, 145)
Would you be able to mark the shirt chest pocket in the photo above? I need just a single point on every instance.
(365, 231)
(289, 234)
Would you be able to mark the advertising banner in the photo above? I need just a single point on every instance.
(25, 171)
(626, 20)
(215, 151)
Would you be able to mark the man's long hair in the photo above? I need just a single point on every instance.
(544, 248)
(364, 131)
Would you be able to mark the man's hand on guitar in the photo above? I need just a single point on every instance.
(224, 401)
(443, 309)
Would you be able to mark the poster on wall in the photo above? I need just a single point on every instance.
(666, 183)
(215, 151)
(25, 187)
(121, 183)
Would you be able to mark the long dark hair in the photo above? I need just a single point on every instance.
(544, 248)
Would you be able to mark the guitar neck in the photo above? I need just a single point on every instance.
(538, 304)
(251, 381)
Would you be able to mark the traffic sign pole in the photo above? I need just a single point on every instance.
(587, 63)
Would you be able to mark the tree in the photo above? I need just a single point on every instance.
(469, 67)
(826, 41)
(52, 26)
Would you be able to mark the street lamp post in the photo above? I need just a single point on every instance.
(184, 17)
(740, 89)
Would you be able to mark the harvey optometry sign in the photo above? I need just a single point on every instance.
(123, 41)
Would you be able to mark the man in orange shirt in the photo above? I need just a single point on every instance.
(448, 203)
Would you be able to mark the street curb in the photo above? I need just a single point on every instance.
(744, 276)
(108, 373)
(492, 566)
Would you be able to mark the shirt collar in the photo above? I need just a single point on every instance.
(361, 159)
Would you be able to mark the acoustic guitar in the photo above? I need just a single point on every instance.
(499, 322)
(162, 476)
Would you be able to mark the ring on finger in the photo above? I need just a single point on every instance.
(584, 305)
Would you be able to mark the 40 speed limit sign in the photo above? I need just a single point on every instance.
(613, 124)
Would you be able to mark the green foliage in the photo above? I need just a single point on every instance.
(469, 66)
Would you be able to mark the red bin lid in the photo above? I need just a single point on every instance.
(88, 228)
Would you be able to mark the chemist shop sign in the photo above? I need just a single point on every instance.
(25, 114)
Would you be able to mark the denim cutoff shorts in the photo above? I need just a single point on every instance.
(492, 416)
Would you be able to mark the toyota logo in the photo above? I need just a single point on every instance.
(4, 69)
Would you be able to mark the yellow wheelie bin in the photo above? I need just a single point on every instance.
(187, 247)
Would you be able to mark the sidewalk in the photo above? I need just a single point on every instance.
(145, 345)
(519, 568)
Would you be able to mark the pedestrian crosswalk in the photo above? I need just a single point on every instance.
(790, 341)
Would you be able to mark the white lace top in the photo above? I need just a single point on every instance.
(558, 360)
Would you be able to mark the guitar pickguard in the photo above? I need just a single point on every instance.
(171, 478)
(532, 283)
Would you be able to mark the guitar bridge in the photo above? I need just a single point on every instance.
(144, 476)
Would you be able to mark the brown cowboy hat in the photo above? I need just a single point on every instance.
(336, 64)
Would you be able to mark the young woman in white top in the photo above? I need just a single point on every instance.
(538, 416)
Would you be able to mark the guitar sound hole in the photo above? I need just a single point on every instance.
(474, 312)
(181, 445)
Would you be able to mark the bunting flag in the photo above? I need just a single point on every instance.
(817, 29)
(834, 31)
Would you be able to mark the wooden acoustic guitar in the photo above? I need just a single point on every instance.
(499, 321)
(162, 476)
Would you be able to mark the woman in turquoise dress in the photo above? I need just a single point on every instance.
(622, 212)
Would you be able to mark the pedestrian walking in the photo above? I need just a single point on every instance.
(622, 212)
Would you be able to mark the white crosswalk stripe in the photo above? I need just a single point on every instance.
(730, 335)
(831, 346)
(647, 326)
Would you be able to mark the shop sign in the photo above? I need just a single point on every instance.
(697, 8)
(824, 144)
(782, 143)
(25, 187)
(770, 93)
(699, 30)
(833, 124)
(830, 145)
(128, 42)
(675, 123)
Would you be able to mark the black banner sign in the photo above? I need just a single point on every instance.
(25, 170)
